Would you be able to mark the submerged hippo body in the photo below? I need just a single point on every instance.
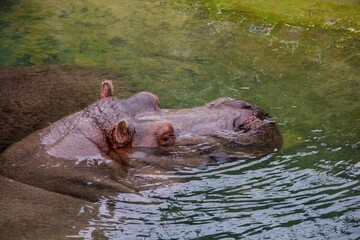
(75, 155)
(87, 154)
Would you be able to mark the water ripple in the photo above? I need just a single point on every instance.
(270, 198)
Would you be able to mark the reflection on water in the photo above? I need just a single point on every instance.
(299, 61)
(273, 197)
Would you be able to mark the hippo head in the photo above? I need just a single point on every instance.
(236, 122)
(118, 124)
(226, 120)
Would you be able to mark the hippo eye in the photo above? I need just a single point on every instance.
(247, 106)
(260, 114)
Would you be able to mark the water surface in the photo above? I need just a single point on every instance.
(297, 60)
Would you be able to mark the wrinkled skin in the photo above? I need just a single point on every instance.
(99, 141)
(106, 125)
(79, 154)
(112, 124)
(232, 122)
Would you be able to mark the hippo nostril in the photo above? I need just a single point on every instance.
(243, 125)
(244, 105)
(238, 126)
(247, 106)
(259, 113)
(237, 104)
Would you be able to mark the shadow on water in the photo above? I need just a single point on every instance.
(299, 61)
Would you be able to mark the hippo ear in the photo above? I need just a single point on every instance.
(124, 133)
(106, 89)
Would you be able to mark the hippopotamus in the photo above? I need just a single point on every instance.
(113, 124)
(86, 154)
(111, 147)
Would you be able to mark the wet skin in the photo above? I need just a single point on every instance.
(108, 124)
(100, 140)
(237, 123)
(79, 154)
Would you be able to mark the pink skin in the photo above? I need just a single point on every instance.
(235, 121)
(106, 89)
(138, 121)
(145, 133)
(154, 133)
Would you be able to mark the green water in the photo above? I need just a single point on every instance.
(298, 60)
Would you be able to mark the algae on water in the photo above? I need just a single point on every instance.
(298, 60)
